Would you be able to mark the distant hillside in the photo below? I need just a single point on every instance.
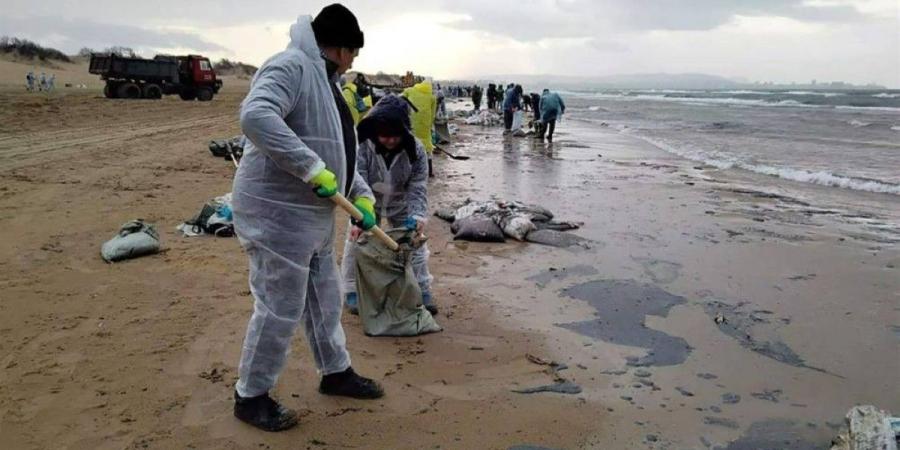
(236, 68)
(25, 49)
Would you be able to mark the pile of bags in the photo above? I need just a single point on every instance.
(485, 118)
(494, 221)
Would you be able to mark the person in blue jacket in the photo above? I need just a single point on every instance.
(552, 108)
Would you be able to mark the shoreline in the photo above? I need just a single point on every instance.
(144, 352)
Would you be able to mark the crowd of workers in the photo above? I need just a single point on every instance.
(310, 138)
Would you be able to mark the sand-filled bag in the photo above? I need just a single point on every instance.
(390, 300)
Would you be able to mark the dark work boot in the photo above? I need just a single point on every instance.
(349, 384)
(428, 302)
(264, 413)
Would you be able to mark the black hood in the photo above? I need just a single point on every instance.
(390, 113)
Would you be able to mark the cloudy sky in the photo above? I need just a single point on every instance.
(755, 40)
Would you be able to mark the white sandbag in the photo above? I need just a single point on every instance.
(134, 239)
(516, 225)
(518, 120)
(470, 208)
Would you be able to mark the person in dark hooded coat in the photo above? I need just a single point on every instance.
(394, 163)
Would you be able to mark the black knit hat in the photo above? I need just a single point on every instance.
(336, 26)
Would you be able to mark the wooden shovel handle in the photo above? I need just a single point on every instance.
(345, 204)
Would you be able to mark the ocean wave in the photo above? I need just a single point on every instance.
(886, 95)
(801, 99)
(895, 128)
(726, 161)
(747, 92)
(859, 123)
(870, 108)
(823, 94)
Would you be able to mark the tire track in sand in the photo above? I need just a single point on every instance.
(28, 148)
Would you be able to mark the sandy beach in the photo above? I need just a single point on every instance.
(143, 353)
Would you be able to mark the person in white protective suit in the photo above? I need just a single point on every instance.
(394, 163)
(300, 149)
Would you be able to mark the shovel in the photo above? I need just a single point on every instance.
(461, 158)
(345, 204)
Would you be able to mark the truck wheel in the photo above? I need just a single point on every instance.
(129, 90)
(204, 95)
(187, 95)
(152, 91)
(109, 91)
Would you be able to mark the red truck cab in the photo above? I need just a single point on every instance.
(202, 70)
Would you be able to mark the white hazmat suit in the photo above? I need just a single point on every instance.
(293, 130)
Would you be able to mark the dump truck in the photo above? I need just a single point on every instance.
(191, 77)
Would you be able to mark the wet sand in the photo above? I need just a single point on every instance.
(142, 354)
(808, 302)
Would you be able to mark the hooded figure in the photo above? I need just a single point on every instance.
(422, 97)
(299, 136)
(552, 107)
(394, 163)
(476, 97)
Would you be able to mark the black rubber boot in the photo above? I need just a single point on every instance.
(264, 413)
(428, 302)
(349, 384)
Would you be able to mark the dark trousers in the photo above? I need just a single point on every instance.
(551, 125)
(477, 104)
(507, 119)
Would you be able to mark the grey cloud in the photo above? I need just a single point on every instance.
(535, 19)
(202, 13)
(87, 33)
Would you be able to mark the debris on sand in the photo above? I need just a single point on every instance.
(134, 239)
(215, 218)
(559, 239)
(756, 330)
(721, 422)
(560, 387)
(484, 118)
(228, 148)
(472, 221)
(867, 427)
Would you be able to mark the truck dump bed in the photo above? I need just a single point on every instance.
(113, 66)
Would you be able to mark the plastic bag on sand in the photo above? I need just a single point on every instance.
(477, 228)
(515, 224)
(518, 120)
(390, 301)
(473, 207)
(474, 120)
(134, 239)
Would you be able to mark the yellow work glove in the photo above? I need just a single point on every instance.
(324, 183)
(367, 207)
